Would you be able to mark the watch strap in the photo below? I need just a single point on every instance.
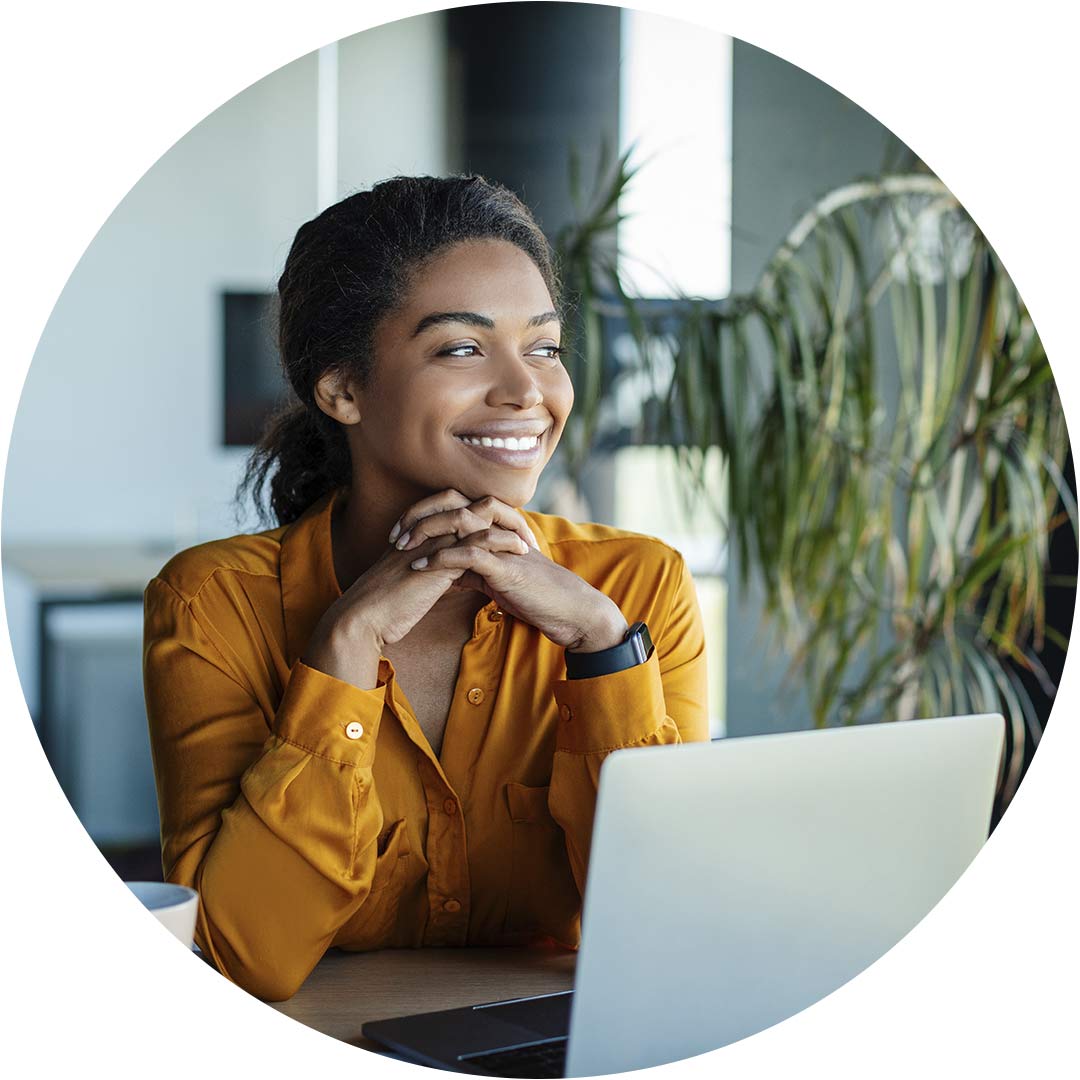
(635, 648)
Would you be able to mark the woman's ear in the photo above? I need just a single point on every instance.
(337, 397)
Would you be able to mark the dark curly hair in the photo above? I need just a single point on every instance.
(347, 269)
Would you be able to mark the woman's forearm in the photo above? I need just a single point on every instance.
(346, 648)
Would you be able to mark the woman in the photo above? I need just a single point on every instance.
(381, 722)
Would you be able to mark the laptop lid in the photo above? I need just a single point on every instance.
(732, 884)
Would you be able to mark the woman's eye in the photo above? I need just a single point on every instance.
(554, 351)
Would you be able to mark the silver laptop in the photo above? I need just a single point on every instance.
(731, 885)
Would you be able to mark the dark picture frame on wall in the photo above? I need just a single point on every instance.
(253, 383)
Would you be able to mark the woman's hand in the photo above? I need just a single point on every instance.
(449, 513)
(524, 583)
(382, 605)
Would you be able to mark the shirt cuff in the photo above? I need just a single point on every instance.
(329, 717)
(610, 711)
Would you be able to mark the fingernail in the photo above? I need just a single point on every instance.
(394, 531)
(419, 564)
(402, 541)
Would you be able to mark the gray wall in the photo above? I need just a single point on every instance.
(793, 139)
(117, 436)
(121, 412)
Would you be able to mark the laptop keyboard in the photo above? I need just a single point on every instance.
(544, 1058)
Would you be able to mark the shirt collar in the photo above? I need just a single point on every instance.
(535, 523)
(309, 584)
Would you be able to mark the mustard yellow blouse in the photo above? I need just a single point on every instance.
(308, 812)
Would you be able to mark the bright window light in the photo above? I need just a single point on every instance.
(675, 100)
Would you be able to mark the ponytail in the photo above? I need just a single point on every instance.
(311, 455)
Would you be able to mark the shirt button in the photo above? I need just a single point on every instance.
(495, 616)
(354, 730)
(450, 806)
(475, 695)
(452, 905)
(566, 712)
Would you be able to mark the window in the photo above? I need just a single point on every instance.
(648, 500)
(675, 101)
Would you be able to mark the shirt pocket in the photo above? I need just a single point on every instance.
(542, 895)
(392, 849)
(374, 924)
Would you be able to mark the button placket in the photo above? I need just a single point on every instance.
(449, 878)
(448, 870)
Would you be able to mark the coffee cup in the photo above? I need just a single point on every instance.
(174, 906)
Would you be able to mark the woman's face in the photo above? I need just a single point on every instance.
(466, 369)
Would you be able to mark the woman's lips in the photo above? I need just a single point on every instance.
(500, 455)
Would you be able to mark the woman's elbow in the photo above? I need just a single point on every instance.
(266, 982)
(259, 976)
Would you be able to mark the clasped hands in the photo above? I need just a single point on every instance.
(488, 546)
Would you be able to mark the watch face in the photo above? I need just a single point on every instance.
(643, 646)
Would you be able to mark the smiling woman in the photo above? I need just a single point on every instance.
(380, 722)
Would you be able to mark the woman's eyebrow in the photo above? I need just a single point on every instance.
(474, 319)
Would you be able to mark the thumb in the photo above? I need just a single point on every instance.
(470, 580)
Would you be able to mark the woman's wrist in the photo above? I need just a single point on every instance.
(607, 631)
(347, 649)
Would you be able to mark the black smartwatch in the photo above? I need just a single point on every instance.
(635, 648)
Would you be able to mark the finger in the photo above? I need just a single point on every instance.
(443, 500)
(465, 520)
(433, 544)
(498, 513)
(496, 568)
(457, 523)
(497, 539)
(471, 582)
(492, 539)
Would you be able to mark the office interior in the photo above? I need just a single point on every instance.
(125, 446)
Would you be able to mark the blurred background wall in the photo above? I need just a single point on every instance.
(117, 458)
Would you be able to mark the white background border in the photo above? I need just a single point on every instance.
(94, 93)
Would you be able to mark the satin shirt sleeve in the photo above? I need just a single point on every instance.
(662, 701)
(273, 819)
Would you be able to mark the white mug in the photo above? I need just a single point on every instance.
(174, 906)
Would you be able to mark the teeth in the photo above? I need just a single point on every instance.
(526, 442)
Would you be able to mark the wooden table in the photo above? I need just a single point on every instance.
(347, 989)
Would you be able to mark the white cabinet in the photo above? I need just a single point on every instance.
(98, 739)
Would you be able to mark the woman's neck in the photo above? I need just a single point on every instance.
(360, 531)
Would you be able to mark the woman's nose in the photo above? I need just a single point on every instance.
(514, 384)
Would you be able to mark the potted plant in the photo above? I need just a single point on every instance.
(894, 445)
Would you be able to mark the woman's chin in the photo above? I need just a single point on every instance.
(509, 492)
